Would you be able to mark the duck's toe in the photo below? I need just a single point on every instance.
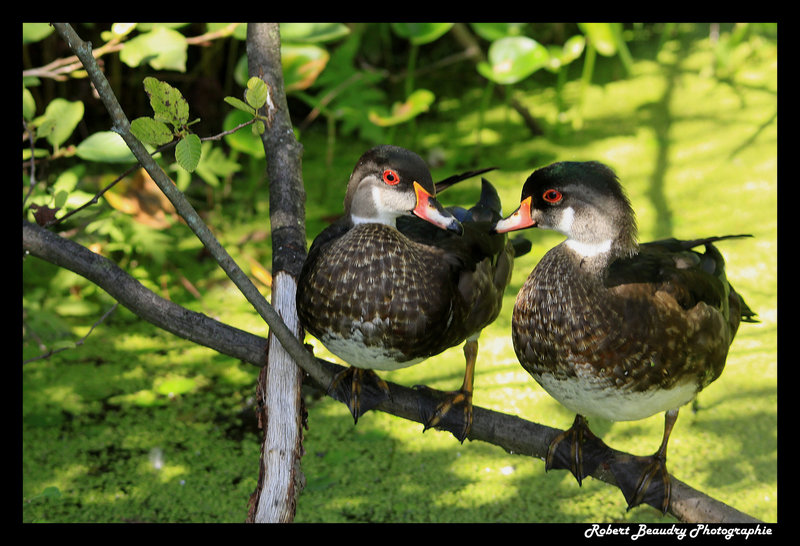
(643, 480)
(359, 389)
(576, 449)
(452, 411)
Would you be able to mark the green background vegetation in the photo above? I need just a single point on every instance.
(135, 425)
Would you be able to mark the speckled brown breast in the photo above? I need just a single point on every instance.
(380, 300)
(620, 352)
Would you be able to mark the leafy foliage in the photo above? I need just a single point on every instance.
(256, 97)
(170, 119)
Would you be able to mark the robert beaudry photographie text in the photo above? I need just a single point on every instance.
(634, 532)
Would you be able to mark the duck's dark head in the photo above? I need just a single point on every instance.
(582, 200)
(390, 181)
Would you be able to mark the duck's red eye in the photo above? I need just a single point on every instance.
(552, 196)
(390, 177)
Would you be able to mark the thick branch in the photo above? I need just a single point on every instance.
(511, 433)
(287, 197)
(146, 304)
(280, 478)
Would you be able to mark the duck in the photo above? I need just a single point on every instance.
(615, 329)
(399, 278)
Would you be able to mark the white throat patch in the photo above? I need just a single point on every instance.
(587, 250)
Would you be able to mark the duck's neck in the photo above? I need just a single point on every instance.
(385, 219)
(589, 250)
(595, 257)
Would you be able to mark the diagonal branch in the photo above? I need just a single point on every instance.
(509, 432)
(121, 125)
(280, 383)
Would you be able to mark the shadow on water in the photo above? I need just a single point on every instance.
(661, 121)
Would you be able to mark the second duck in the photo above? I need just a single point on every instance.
(615, 329)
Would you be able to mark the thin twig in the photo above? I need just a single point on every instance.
(78, 343)
(95, 199)
(56, 69)
(32, 176)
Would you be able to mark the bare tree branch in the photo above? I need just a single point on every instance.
(280, 478)
(511, 433)
(60, 68)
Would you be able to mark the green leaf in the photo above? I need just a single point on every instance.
(33, 32)
(312, 32)
(240, 71)
(59, 199)
(106, 146)
(214, 164)
(601, 36)
(419, 101)
(562, 56)
(167, 102)
(162, 48)
(68, 180)
(302, 64)
(59, 121)
(421, 33)
(243, 141)
(572, 49)
(118, 30)
(51, 492)
(257, 92)
(513, 59)
(151, 131)
(188, 152)
(28, 104)
(122, 29)
(495, 31)
(240, 105)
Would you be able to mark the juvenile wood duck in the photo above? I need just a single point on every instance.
(615, 329)
(399, 279)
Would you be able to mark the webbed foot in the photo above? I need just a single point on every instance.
(645, 479)
(453, 413)
(576, 449)
(359, 389)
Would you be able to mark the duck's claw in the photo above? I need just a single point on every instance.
(359, 389)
